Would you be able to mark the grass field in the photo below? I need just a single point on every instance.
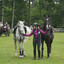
(7, 51)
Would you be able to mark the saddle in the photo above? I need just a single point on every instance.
(51, 30)
(52, 33)
(2, 29)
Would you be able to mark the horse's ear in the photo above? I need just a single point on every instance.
(23, 21)
(18, 20)
(44, 15)
(48, 15)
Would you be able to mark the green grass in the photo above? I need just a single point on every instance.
(7, 51)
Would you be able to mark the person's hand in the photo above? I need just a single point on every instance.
(47, 29)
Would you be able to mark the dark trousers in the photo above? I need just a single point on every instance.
(38, 47)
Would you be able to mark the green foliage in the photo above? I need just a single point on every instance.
(0, 9)
(40, 7)
(47, 7)
(18, 11)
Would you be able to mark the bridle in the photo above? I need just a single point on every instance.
(20, 31)
(46, 22)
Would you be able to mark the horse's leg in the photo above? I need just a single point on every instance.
(19, 49)
(23, 48)
(48, 49)
(15, 48)
(51, 40)
(42, 49)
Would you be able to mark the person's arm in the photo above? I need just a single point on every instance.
(52, 31)
(43, 31)
(29, 34)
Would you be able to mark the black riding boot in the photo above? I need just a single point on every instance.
(34, 55)
(38, 54)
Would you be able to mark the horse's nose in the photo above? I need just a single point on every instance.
(21, 31)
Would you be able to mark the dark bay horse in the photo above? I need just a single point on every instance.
(48, 38)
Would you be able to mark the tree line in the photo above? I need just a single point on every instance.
(32, 11)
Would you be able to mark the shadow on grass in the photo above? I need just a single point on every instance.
(31, 58)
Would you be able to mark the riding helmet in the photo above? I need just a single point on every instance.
(35, 24)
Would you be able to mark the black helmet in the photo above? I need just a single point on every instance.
(35, 24)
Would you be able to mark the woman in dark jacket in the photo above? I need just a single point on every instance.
(36, 39)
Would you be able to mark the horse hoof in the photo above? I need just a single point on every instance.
(15, 55)
(48, 57)
(25, 55)
(41, 57)
(20, 56)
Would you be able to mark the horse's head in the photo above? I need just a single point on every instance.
(46, 21)
(21, 27)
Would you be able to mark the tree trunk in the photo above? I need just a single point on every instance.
(32, 8)
(2, 11)
(61, 11)
(13, 13)
(40, 8)
(32, 4)
(29, 14)
(40, 12)
(50, 15)
(23, 13)
(62, 20)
